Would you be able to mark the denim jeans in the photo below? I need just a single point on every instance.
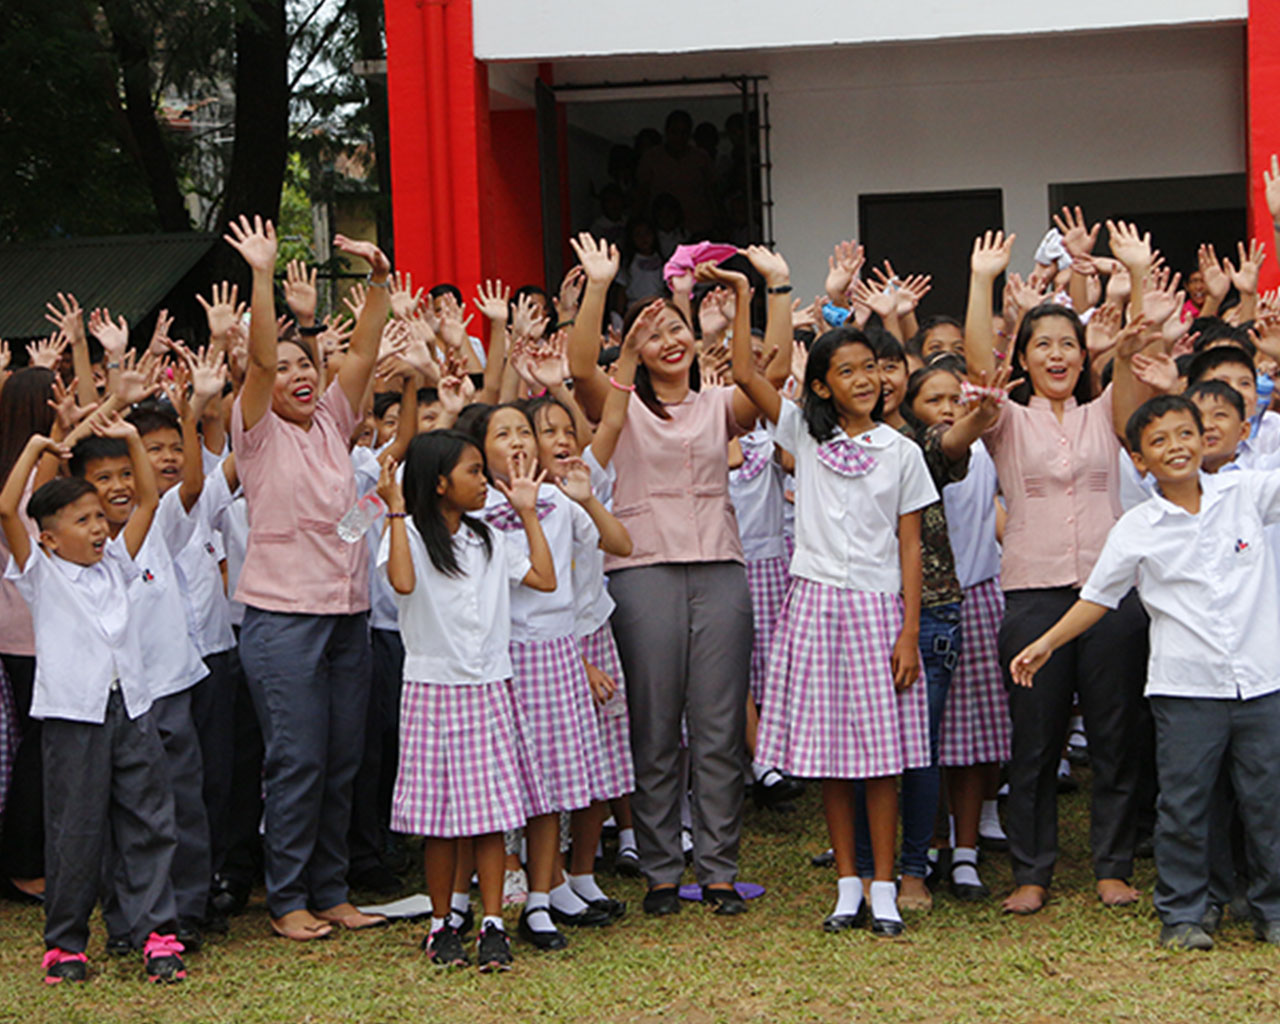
(939, 652)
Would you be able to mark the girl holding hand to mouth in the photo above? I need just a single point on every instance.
(305, 639)
(1056, 451)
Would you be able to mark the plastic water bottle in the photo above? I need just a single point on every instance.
(360, 516)
(615, 706)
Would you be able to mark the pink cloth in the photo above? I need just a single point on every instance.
(298, 484)
(17, 635)
(672, 493)
(686, 257)
(1060, 482)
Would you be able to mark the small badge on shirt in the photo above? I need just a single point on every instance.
(1241, 545)
(147, 576)
(208, 546)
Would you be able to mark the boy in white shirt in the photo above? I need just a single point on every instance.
(104, 773)
(1204, 575)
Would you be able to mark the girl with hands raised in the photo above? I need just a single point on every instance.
(454, 577)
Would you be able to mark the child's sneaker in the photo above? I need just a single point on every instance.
(493, 950)
(60, 966)
(444, 947)
(515, 888)
(162, 956)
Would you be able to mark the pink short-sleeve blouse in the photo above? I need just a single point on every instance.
(298, 484)
(1060, 482)
(672, 493)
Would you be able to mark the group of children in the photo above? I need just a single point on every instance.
(623, 580)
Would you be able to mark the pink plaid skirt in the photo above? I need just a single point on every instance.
(552, 690)
(830, 709)
(768, 579)
(618, 773)
(975, 723)
(465, 766)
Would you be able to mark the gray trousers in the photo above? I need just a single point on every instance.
(191, 866)
(213, 702)
(309, 677)
(105, 784)
(375, 781)
(684, 632)
(1194, 739)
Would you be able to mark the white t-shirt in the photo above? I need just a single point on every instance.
(200, 574)
(971, 520)
(755, 488)
(847, 526)
(592, 603)
(86, 634)
(1207, 581)
(457, 629)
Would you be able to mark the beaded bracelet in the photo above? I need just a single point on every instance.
(397, 515)
(622, 387)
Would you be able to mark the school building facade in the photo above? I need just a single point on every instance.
(900, 124)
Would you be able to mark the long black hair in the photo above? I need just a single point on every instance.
(644, 385)
(431, 456)
(1023, 392)
(943, 364)
(820, 414)
(24, 411)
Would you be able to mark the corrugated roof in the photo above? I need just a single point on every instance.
(129, 274)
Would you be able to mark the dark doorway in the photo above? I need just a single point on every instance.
(930, 233)
(1180, 213)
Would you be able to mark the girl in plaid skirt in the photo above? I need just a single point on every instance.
(844, 697)
(548, 672)
(466, 770)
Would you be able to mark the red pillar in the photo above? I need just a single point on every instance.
(461, 196)
(1263, 111)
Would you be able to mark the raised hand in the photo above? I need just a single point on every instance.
(417, 352)
(1137, 335)
(1271, 182)
(379, 265)
(160, 341)
(644, 325)
(112, 425)
(522, 489)
(493, 299)
(575, 480)
(1216, 279)
(255, 241)
(135, 381)
(1129, 247)
(771, 266)
(990, 256)
(222, 310)
(208, 375)
(909, 291)
(714, 367)
(300, 292)
(67, 316)
(1162, 300)
(529, 321)
(333, 339)
(884, 302)
(453, 328)
(1119, 284)
(1246, 278)
(1026, 295)
(549, 363)
(6, 357)
(404, 300)
(65, 409)
(1157, 370)
(709, 270)
(354, 299)
(1077, 239)
(47, 353)
(455, 393)
(804, 317)
(389, 489)
(843, 264)
(1100, 333)
(570, 295)
(599, 259)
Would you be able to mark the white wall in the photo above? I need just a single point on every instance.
(1015, 114)
(546, 29)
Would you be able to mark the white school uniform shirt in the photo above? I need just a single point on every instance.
(756, 493)
(457, 629)
(200, 572)
(847, 527)
(592, 604)
(170, 658)
(971, 519)
(383, 613)
(86, 635)
(1208, 583)
(535, 614)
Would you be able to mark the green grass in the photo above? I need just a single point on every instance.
(1075, 961)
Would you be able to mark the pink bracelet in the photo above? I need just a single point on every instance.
(622, 387)
(998, 354)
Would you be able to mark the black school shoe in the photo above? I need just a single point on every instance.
(846, 922)
(592, 916)
(1185, 936)
(783, 790)
(190, 935)
(228, 896)
(886, 927)
(967, 892)
(541, 940)
(468, 920)
(825, 859)
(616, 909)
(119, 945)
(1267, 931)
(660, 902)
(493, 950)
(725, 902)
(444, 948)
(627, 863)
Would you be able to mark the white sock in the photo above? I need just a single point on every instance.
(459, 904)
(989, 823)
(884, 901)
(436, 924)
(951, 833)
(1076, 724)
(1064, 768)
(599, 849)
(609, 822)
(686, 839)
(626, 839)
(1003, 790)
(566, 900)
(585, 887)
(850, 895)
(537, 909)
(492, 919)
(964, 866)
